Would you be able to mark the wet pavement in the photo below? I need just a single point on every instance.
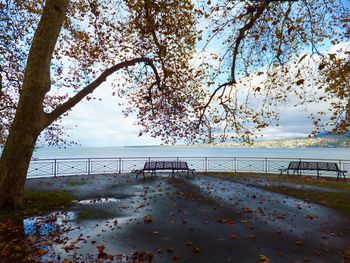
(201, 219)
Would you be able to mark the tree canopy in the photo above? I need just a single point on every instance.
(220, 68)
(270, 53)
(146, 41)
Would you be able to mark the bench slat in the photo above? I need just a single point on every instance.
(314, 166)
(153, 166)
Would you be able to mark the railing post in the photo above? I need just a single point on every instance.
(89, 166)
(66, 162)
(235, 164)
(55, 168)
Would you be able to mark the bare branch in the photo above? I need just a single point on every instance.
(242, 33)
(63, 108)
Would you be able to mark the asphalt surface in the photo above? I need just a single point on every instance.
(201, 219)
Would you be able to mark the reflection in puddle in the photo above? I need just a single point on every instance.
(45, 226)
(98, 200)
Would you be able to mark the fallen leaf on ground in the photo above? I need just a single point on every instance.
(196, 249)
(264, 258)
(176, 258)
(100, 248)
(148, 219)
(226, 221)
(310, 217)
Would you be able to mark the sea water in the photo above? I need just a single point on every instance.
(179, 151)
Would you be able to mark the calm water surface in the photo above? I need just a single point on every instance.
(158, 151)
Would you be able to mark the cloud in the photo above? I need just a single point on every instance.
(102, 123)
(293, 123)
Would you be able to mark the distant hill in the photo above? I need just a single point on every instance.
(321, 142)
(328, 141)
(327, 135)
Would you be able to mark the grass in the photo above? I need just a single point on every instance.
(39, 203)
(295, 179)
(335, 200)
(308, 180)
(85, 214)
(329, 198)
(77, 182)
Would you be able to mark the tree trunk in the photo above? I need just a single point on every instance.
(15, 161)
(30, 118)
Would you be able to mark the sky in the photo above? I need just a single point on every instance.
(102, 123)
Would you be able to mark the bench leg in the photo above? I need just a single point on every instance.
(138, 172)
(340, 174)
(283, 170)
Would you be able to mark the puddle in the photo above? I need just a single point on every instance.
(98, 201)
(45, 226)
(115, 227)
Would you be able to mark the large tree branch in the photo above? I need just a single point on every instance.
(151, 23)
(314, 48)
(286, 16)
(241, 35)
(70, 103)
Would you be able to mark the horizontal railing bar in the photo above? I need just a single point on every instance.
(111, 165)
(195, 157)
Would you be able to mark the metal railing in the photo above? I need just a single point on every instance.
(86, 166)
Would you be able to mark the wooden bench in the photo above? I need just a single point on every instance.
(153, 166)
(313, 166)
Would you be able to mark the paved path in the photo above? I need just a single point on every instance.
(204, 219)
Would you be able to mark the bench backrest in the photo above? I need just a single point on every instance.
(165, 165)
(313, 166)
(333, 167)
(293, 165)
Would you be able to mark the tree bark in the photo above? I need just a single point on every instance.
(30, 118)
